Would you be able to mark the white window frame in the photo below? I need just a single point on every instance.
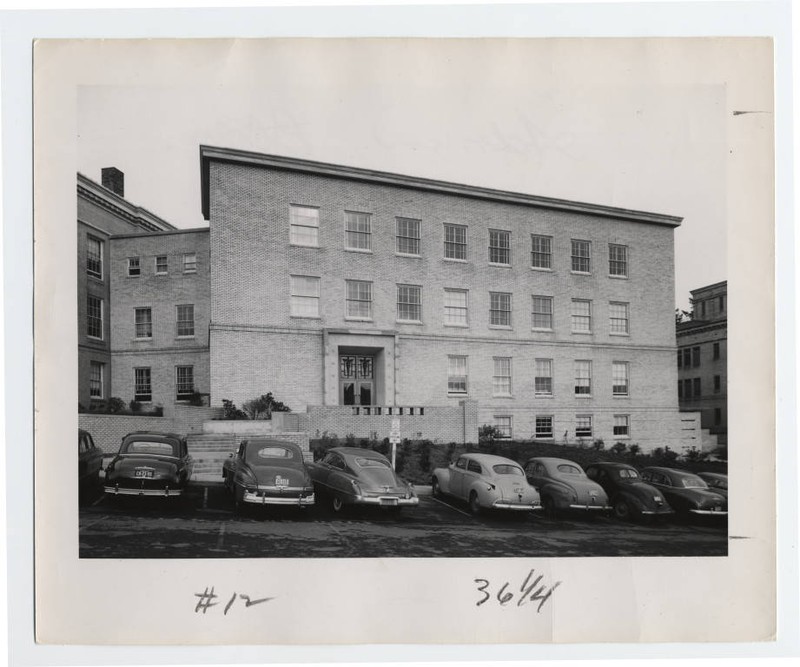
(300, 297)
(450, 309)
(454, 245)
(358, 299)
(139, 395)
(579, 419)
(299, 225)
(615, 263)
(404, 237)
(90, 317)
(183, 395)
(538, 244)
(134, 267)
(497, 248)
(504, 432)
(356, 218)
(621, 324)
(145, 323)
(578, 257)
(536, 426)
(166, 265)
(190, 262)
(90, 257)
(620, 370)
(96, 382)
(455, 376)
(542, 369)
(179, 321)
(583, 378)
(409, 304)
(581, 317)
(627, 425)
(541, 313)
(501, 377)
(496, 308)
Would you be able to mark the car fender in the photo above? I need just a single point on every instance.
(340, 483)
(485, 496)
(558, 491)
(442, 476)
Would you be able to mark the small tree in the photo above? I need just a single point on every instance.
(263, 407)
(230, 411)
(694, 454)
(634, 450)
(619, 448)
(488, 435)
(598, 445)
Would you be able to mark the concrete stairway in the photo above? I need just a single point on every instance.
(209, 452)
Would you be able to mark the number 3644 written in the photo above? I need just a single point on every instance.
(532, 589)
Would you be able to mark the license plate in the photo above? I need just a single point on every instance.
(280, 481)
(389, 501)
(717, 509)
(143, 473)
(517, 489)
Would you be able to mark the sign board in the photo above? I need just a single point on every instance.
(394, 439)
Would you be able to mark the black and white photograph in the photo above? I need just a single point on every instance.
(409, 323)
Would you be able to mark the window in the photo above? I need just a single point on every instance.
(541, 252)
(501, 380)
(542, 315)
(702, 309)
(687, 388)
(409, 303)
(94, 317)
(144, 322)
(455, 242)
(581, 256)
(134, 268)
(94, 257)
(358, 231)
(190, 262)
(96, 373)
(544, 426)
(581, 316)
(716, 351)
(696, 388)
(456, 375)
(407, 236)
(583, 378)
(499, 247)
(618, 317)
(680, 359)
(680, 389)
(687, 357)
(543, 377)
(184, 382)
(619, 378)
(304, 299)
(721, 304)
(185, 320)
(143, 389)
(503, 425)
(583, 426)
(455, 308)
(717, 416)
(161, 265)
(500, 309)
(717, 384)
(359, 300)
(617, 260)
(695, 356)
(304, 226)
(621, 426)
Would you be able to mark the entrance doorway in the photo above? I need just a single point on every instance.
(356, 379)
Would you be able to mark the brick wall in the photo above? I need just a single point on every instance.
(190, 418)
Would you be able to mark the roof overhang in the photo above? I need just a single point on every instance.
(229, 155)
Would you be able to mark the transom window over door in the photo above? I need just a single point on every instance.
(358, 231)
(356, 379)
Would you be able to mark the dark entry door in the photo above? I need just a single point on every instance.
(356, 380)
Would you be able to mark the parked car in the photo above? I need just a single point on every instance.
(150, 464)
(686, 492)
(356, 476)
(264, 471)
(486, 482)
(90, 460)
(716, 481)
(563, 485)
(630, 497)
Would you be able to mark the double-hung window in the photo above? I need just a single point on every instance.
(583, 378)
(618, 317)
(541, 251)
(455, 242)
(143, 319)
(542, 313)
(190, 262)
(621, 426)
(94, 257)
(304, 301)
(134, 267)
(408, 239)
(618, 260)
(619, 378)
(184, 382)
(358, 299)
(304, 226)
(503, 425)
(409, 303)
(357, 231)
(583, 426)
(185, 320)
(143, 388)
(96, 373)
(581, 316)
(161, 265)
(501, 380)
(455, 308)
(581, 256)
(499, 247)
(94, 317)
(543, 377)
(544, 427)
(500, 309)
(456, 374)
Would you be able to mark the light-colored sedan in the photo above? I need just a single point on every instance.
(564, 485)
(486, 482)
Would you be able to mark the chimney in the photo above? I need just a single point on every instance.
(113, 179)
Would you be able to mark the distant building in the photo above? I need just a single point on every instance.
(702, 359)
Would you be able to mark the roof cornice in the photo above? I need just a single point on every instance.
(212, 153)
(119, 206)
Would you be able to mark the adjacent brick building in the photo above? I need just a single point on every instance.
(702, 359)
(336, 286)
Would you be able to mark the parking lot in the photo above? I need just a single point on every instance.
(202, 524)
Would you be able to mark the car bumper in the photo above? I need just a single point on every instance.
(656, 512)
(385, 501)
(591, 508)
(254, 498)
(520, 507)
(710, 512)
(122, 491)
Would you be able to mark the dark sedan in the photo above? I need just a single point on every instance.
(90, 460)
(686, 492)
(716, 481)
(630, 497)
(149, 464)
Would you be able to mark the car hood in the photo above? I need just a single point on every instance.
(272, 475)
(703, 498)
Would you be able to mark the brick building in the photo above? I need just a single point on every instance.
(360, 291)
(702, 359)
(102, 212)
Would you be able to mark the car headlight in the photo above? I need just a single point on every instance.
(490, 487)
(356, 487)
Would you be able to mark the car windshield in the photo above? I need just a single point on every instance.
(150, 447)
(718, 483)
(693, 483)
(507, 469)
(567, 469)
(628, 473)
(256, 453)
(364, 462)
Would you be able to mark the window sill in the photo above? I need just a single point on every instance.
(187, 273)
(163, 273)
(541, 330)
(500, 266)
(541, 268)
(412, 322)
(617, 277)
(95, 339)
(143, 340)
(360, 251)
(543, 396)
(130, 276)
(303, 245)
(456, 395)
(583, 396)
(617, 333)
(621, 437)
(621, 396)
(456, 326)
(305, 317)
(409, 255)
(185, 337)
(582, 333)
(503, 327)
(505, 396)
(98, 279)
(581, 273)
(454, 260)
(358, 319)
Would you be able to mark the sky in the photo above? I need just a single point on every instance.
(639, 124)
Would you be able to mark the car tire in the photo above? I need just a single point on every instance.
(436, 490)
(622, 510)
(474, 505)
(337, 504)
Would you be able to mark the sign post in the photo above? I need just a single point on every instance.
(394, 438)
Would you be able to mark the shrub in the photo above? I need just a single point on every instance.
(230, 411)
(634, 450)
(488, 435)
(694, 454)
(135, 406)
(115, 405)
(598, 445)
(263, 407)
(197, 399)
(619, 448)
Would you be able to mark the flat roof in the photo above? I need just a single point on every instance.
(169, 232)
(230, 155)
